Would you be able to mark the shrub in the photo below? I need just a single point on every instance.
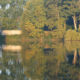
(72, 35)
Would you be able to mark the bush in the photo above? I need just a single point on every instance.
(72, 35)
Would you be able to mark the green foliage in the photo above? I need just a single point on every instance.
(38, 14)
(32, 32)
(10, 13)
(35, 13)
(33, 19)
(70, 8)
(7, 23)
(53, 14)
(72, 35)
(56, 15)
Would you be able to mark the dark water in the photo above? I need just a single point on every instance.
(40, 61)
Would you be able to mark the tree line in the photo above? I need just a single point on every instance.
(51, 15)
(36, 16)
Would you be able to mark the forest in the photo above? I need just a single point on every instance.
(42, 19)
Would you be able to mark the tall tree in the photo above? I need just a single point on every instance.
(34, 17)
(53, 13)
(35, 13)
(70, 8)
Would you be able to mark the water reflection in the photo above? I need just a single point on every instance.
(11, 67)
(11, 62)
(56, 61)
(14, 48)
(40, 61)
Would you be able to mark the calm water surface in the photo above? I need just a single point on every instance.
(40, 61)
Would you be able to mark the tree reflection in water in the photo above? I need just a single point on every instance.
(11, 67)
(41, 61)
(56, 61)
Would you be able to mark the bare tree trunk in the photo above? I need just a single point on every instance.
(75, 57)
(75, 22)
(79, 26)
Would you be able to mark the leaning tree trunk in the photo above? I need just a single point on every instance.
(75, 22)
(75, 57)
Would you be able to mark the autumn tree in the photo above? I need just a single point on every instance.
(34, 14)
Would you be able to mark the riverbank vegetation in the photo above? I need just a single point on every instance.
(52, 18)
(42, 19)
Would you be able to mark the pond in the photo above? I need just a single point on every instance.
(40, 60)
